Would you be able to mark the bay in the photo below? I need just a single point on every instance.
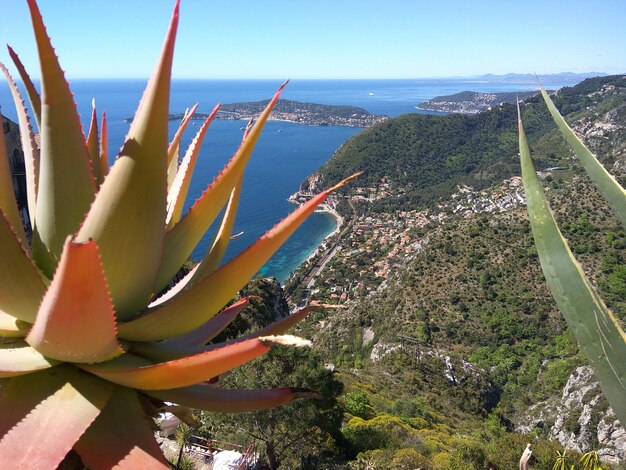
(286, 153)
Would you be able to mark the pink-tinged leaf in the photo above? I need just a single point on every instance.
(285, 324)
(22, 287)
(172, 170)
(204, 299)
(181, 240)
(11, 327)
(206, 332)
(127, 219)
(174, 291)
(217, 249)
(31, 91)
(103, 159)
(66, 185)
(219, 400)
(122, 437)
(8, 204)
(18, 358)
(203, 364)
(29, 147)
(93, 146)
(180, 187)
(76, 321)
(172, 150)
(45, 413)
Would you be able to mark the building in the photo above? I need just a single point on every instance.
(16, 161)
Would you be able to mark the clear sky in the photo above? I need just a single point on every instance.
(326, 38)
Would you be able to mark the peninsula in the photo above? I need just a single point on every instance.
(311, 114)
(471, 102)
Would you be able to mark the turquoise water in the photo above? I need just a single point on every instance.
(286, 153)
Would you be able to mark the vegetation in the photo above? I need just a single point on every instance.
(87, 351)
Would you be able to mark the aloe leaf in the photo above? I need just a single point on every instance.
(18, 358)
(182, 239)
(202, 364)
(196, 305)
(103, 158)
(66, 186)
(8, 204)
(29, 147)
(599, 336)
(609, 187)
(22, 287)
(31, 91)
(45, 413)
(219, 400)
(172, 149)
(11, 327)
(76, 321)
(128, 227)
(180, 186)
(121, 437)
(93, 146)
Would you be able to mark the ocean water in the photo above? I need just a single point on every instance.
(285, 154)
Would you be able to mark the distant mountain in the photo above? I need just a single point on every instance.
(563, 77)
(471, 102)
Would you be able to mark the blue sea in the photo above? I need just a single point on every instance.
(286, 153)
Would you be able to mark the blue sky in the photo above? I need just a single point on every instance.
(325, 38)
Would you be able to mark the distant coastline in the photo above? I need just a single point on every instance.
(471, 102)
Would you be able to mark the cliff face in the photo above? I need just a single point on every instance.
(580, 419)
(16, 160)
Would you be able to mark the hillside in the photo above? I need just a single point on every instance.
(445, 300)
(471, 102)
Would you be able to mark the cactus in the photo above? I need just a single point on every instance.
(87, 351)
(597, 331)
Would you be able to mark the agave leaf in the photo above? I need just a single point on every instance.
(103, 158)
(33, 96)
(600, 337)
(219, 400)
(204, 299)
(76, 321)
(18, 358)
(66, 186)
(29, 147)
(128, 227)
(609, 187)
(44, 414)
(22, 287)
(176, 289)
(181, 240)
(8, 204)
(121, 437)
(172, 150)
(11, 327)
(180, 186)
(203, 364)
(93, 145)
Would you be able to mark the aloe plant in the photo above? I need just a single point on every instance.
(597, 331)
(87, 351)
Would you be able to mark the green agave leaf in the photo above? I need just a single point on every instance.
(182, 239)
(201, 364)
(76, 321)
(128, 227)
(219, 400)
(180, 186)
(121, 437)
(44, 414)
(66, 186)
(22, 287)
(18, 358)
(33, 96)
(196, 305)
(93, 146)
(8, 204)
(104, 148)
(29, 147)
(604, 181)
(600, 337)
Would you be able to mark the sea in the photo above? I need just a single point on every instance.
(286, 152)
